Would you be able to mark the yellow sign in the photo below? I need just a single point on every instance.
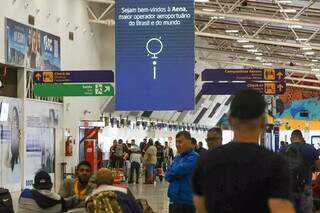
(269, 74)
(47, 77)
(270, 88)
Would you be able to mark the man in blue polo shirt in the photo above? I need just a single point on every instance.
(179, 175)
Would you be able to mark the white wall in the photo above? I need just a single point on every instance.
(85, 52)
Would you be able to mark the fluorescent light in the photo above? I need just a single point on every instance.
(243, 41)
(221, 17)
(201, 0)
(301, 39)
(258, 58)
(306, 48)
(288, 11)
(315, 70)
(267, 64)
(295, 26)
(258, 54)
(248, 46)
(209, 10)
(252, 50)
(314, 60)
(309, 53)
(232, 31)
(214, 17)
(284, 1)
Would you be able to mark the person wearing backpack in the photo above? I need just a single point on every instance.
(119, 154)
(107, 198)
(303, 159)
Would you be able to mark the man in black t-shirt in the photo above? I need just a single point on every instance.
(242, 176)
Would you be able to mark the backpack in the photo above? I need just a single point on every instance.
(103, 202)
(298, 168)
(5, 201)
(145, 206)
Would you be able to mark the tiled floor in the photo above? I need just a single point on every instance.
(155, 194)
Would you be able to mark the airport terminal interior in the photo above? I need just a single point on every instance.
(128, 106)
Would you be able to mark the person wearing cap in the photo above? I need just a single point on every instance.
(106, 191)
(41, 198)
(242, 176)
(79, 188)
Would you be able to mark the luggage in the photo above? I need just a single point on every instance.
(145, 206)
(5, 201)
(298, 168)
(103, 202)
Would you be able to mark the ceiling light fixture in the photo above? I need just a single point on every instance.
(243, 41)
(232, 31)
(314, 60)
(258, 58)
(295, 26)
(252, 50)
(267, 64)
(288, 11)
(201, 0)
(309, 53)
(301, 39)
(306, 48)
(315, 70)
(284, 1)
(209, 10)
(248, 46)
(258, 54)
(221, 17)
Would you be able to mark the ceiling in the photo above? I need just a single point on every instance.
(245, 33)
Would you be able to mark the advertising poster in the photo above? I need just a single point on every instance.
(31, 48)
(43, 123)
(10, 143)
(154, 55)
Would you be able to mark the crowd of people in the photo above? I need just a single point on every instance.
(241, 176)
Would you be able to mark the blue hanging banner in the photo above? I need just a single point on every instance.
(154, 55)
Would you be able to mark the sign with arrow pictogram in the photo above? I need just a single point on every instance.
(243, 75)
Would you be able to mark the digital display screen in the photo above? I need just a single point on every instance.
(155, 55)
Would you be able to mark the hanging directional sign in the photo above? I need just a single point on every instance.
(267, 88)
(53, 90)
(81, 76)
(243, 75)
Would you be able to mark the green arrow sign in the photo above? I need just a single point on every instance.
(52, 90)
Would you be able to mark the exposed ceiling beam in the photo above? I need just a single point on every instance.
(262, 41)
(245, 54)
(303, 86)
(102, 1)
(257, 18)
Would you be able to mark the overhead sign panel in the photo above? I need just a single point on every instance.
(267, 88)
(53, 90)
(86, 76)
(243, 75)
(154, 55)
